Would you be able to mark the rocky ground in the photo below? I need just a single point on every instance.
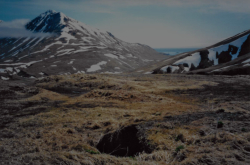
(138, 119)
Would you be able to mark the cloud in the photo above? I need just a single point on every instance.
(81, 6)
(236, 6)
(115, 6)
(16, 28)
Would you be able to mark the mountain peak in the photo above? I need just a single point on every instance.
(49, 21)
(57, 22)
(47, 13)
(50, 12)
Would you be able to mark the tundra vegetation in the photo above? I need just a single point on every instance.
(129, 119)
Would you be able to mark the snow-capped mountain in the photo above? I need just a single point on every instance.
(230, 56)
(67, 46)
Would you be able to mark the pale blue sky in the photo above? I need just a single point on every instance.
(157, 23)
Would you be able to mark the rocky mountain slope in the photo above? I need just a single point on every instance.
(230, 56)
(67, 46)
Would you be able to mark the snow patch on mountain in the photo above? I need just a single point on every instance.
(246, 61)
(173, 68)
(16, 64)
(67, 51)
(148, 72)
(4, 78)
(47, 47)
(65, 34)
(226, 67)
(107, 72)
(238, 43)
(2, 70)
(194, 59)
(212, 56)
(246, 65)
(111, 56)
(96, 67)
(24, 41)
(8, 61)
(40, 39)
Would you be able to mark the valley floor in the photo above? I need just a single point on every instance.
(125, 119)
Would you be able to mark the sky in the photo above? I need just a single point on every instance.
(157, 23)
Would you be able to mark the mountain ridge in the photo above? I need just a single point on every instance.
(214, 59)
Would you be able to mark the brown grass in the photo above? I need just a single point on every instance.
(69, 131)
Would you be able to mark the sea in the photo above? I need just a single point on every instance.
(174, 51)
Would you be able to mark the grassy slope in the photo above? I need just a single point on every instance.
(178, 113)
